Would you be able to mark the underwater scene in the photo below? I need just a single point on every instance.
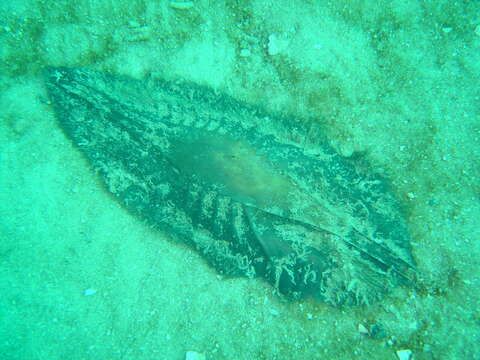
(249, 179)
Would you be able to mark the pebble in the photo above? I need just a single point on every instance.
(362, 329)
(404, 354)
(194, 355)
(89, 292)
(374, 331)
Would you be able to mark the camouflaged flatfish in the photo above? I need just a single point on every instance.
(238, 185)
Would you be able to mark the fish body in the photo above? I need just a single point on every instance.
(238, 185)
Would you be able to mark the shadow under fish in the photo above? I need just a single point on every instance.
(238, 185)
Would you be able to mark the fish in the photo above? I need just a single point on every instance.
(258, 195)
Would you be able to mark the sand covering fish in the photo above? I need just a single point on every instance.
(257, 194)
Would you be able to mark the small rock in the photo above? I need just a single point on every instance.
(374, 331)
(89, 292)
(362, 329)
(404, 354)
(194, 355)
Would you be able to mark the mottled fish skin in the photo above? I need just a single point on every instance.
(238, 185)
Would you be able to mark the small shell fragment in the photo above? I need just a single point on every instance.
(477, 30)
(404, 354)
(181, 5)
(89, 292)
(362, 329)
(194, 355)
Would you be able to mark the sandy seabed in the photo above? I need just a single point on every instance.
(396, 84)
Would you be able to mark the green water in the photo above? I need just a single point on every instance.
(396, 84)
